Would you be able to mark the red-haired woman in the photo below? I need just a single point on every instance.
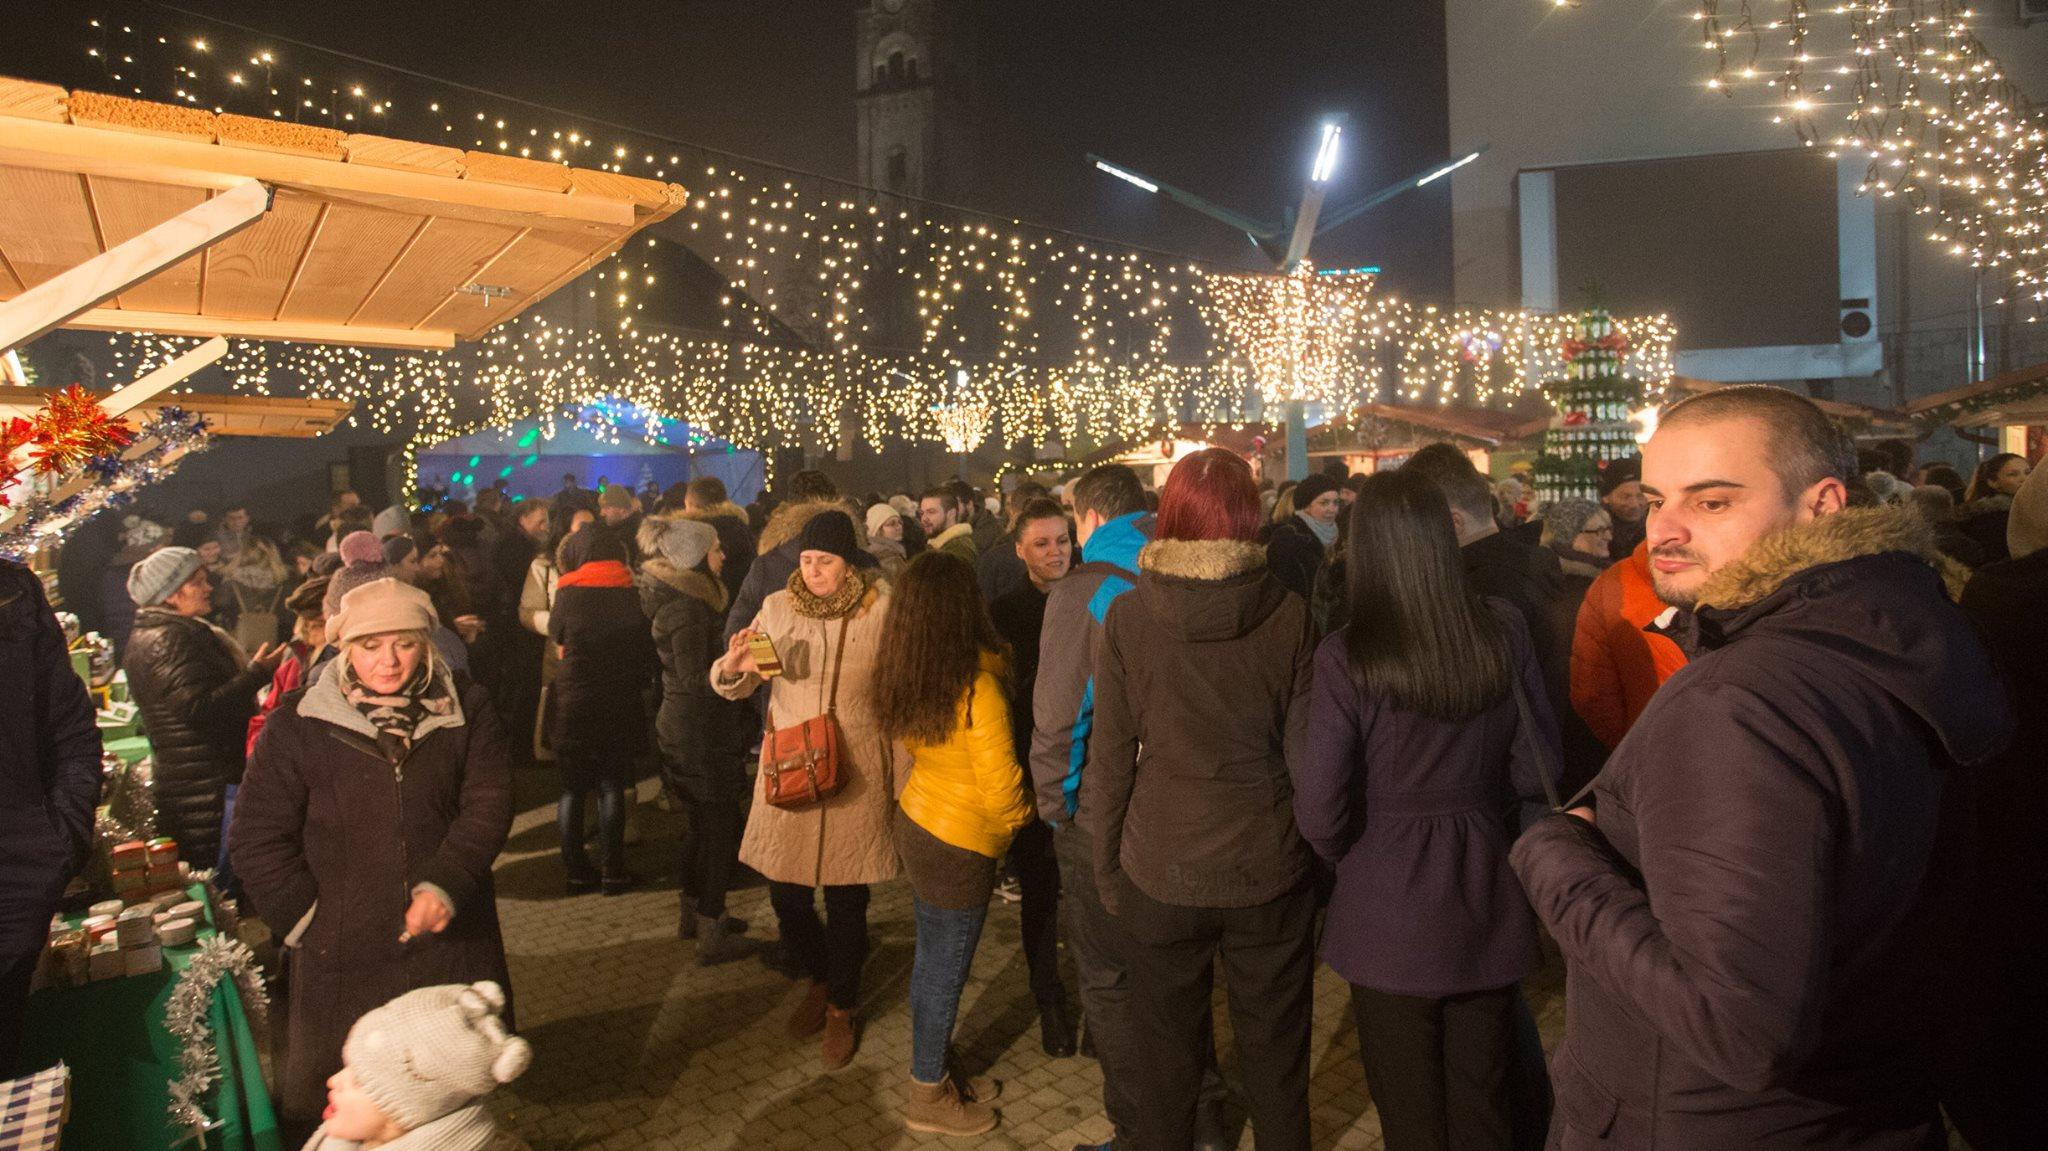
(1201, 686)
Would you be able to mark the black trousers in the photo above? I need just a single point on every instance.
(16, 973)
(833, 951)
(1038, 873)
(1438, 1068)
(1268, 954)
(710, 853)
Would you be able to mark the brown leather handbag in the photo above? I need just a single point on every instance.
(801, 765)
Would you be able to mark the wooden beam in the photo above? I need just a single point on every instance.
(172, 324)
(104, 152)
(150, 383)
(59, 299)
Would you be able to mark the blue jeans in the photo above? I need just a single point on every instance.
(945, 950)
(611, 828)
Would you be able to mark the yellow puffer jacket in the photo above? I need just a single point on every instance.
(969, 790)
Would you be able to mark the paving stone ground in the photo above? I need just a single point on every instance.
(637, 1047)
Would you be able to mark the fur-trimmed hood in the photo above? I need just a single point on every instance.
(1846, 535)
(787, 522)
(725, 509)
(1208, 590)
(692, 583)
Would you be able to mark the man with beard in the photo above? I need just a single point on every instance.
(1752, 895)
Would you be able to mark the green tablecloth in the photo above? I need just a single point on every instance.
(122, 1061)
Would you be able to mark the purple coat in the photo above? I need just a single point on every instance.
(1413, 814)
(1757, 933)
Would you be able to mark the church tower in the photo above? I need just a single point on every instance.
(896, 89)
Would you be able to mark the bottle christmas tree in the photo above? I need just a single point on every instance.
(1593, 402)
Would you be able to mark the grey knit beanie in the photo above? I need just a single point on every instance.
(1564, 519)
(682, 542)
(433, 1051)
(163, 571)
(349, 579)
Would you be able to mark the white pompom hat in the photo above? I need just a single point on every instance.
(433, 1051)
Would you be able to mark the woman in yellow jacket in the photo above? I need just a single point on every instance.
(938, 687)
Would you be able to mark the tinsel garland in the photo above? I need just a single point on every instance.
(185, 1017)
(113, 477)
(70, 429)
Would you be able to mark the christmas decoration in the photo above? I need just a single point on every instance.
(1593, 399)
(108, 479)
(219, 957)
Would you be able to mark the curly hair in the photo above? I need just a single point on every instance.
(932, 642)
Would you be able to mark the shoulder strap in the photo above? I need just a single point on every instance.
(838, 658)
(1550, 765)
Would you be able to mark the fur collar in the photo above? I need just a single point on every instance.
(787, 522)
(1845, 535)
(949, 535)
(727, 510)
(692, 583)
(1202, 559)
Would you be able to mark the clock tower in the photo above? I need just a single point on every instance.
(896, 85)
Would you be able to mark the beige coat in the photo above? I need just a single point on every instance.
(846, 839)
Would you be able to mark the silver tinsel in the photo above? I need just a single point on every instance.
(219, 957)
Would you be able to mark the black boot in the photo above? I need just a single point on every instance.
(1055, 1034)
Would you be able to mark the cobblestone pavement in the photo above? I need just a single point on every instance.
(637, 1047)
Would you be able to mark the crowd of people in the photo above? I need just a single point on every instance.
(1749, 737)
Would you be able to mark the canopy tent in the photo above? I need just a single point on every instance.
(532, 456)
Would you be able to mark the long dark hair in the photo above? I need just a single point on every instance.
(1980, 480)
(931, 649)
(1417, 634)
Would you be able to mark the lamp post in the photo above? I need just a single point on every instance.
(1307, 223)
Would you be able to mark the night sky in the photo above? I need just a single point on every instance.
(1218, 96)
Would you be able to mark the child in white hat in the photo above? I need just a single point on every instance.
(415, 1071)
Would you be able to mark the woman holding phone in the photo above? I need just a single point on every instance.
(824, 629)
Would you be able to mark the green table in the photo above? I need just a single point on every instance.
(122, 1060)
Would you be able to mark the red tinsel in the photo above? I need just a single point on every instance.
(1612, 341)
(70, 429)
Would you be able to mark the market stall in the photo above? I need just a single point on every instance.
(129, 216)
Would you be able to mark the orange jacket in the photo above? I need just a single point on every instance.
(1616, 665)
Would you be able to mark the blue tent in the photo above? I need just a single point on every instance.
(533, 462)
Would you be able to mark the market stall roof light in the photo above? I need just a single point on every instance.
(1447, 169)
(1326, 153)
(1127, 177)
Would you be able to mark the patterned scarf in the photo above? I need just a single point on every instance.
(839, 603)
(397, 717)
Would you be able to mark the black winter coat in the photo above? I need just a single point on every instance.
(600, 721)
(1758, 934)
(49, 765)
(196, 701)
(326, 826)
(1294, 555)
(1531, 578)
(702, 735)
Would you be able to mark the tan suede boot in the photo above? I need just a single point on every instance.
(938, 1108)
(809, 1016)
(840, 1038)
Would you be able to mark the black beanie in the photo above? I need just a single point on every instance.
(1627, 469)
(1307, 491)
(831, 531)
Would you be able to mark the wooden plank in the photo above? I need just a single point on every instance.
(123, 400)
(279, 136)
(529, 265)
(518, 305)
(406, 155)
(173, 324)
(31, 100)
(347, 259)
(47, 228)
(494, 168)
(654, 196)
(444, 257)
(98, 151)
(246, 275)
(98, 109)
(56, 300)
(126, 209)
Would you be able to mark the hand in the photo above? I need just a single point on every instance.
(270, 655)
(469, 627)
(1585, 813)
(427, 914)
(739, 658)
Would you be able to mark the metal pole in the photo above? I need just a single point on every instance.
(1977, 342)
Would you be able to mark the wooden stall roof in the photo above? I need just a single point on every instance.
(2004, 399)
(229, 415)
(368, 240)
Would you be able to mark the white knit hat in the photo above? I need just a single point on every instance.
(877, 516)
(380, 606)
(163, 571)
(433, 1051)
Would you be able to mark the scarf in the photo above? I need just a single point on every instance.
(1325, 533)
(839, 603)
(598, 573)
(397, 717)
